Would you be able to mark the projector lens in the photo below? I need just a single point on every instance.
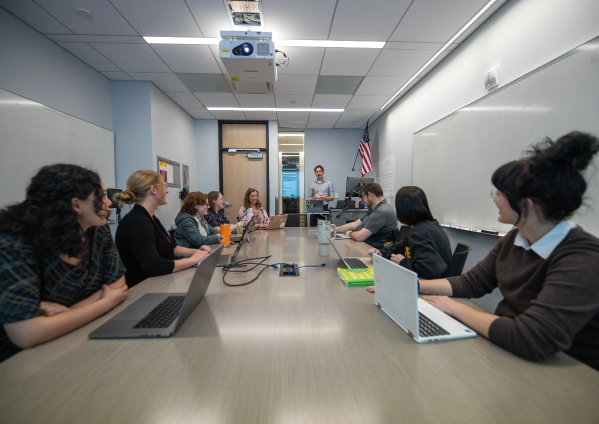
(245, 49)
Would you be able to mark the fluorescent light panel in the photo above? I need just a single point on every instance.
(291, 134)
(278, 43)
(455, 37)
(276, 109)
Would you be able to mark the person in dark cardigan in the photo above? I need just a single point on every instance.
(546, 268)
(426, 249)
(144, 245)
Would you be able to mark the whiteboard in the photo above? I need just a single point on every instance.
(33, 135)
(455, 157)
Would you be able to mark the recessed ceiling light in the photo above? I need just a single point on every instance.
(432, 59)
(278, 43)
(276, 109)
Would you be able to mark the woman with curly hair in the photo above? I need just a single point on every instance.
(192, 229)
(252, 201)
(144, 245)
(59, 268)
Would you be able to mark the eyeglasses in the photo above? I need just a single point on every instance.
(494, 193)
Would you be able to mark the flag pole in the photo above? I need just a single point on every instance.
(353, 167)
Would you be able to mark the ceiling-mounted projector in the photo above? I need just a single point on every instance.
(248, 56)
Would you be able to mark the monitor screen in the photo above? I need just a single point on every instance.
(354, 183)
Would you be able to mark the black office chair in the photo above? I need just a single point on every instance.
(171, 233)
(458, 260)
(399, 234)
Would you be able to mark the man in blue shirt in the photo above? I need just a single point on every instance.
(320, 190)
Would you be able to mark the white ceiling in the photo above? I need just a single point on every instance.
(111, 42)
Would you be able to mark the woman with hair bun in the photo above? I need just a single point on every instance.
(59, 268)
(546, 268)
(426, 249)
(144, 245)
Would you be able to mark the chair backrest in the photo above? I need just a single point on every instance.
(171, 233)
(399, 233)
(458, 260)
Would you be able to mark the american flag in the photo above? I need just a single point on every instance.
(364, 151)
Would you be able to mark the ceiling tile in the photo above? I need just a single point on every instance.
(348, 61)
(229, 115)
(75, 38)
(295, 84)
(89, 55)
(117, 76)
(323, 124)
(299, 20)
(199, 113)
(293, 100)
(106, 20)
(205, 83)
(215, 53)
(334, 101)
(132, 57)
(167, 82)
(357, 115)
(217, 100)
(302, 60)
(299, 117)
(367, 102)
(380, 86)
(399, 63)
(295, 125)
(256, 100)
(159, 18)
(434, 20)
(324, 116)
(35, 16)
(372, 20)
(349, 124)
(211, 16)
(337, 84)
(186, 100)
(187, 58)
(260, 116)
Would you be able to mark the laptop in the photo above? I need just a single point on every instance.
(276, 222)
(353, 263)
(160, 314)
(227, 259)
(247, 229)
(396, 294)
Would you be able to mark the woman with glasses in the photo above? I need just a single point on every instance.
(192, 229)
(546, 268)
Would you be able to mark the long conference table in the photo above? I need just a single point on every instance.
(304, 349)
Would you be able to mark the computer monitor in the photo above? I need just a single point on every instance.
(354, 183)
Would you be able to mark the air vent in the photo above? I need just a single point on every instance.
(245, 13)
(262, 49)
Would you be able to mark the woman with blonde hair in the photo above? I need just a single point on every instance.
(252, 201)
(144, 245)
(192, 229)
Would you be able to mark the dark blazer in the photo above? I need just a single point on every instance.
(144, 245)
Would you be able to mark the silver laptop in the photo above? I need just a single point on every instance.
(353, 263)
(396, 294)
(228, 259)
(160, 314)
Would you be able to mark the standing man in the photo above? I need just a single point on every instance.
(320, 190)
(376, 227)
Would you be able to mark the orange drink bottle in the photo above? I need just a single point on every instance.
(225, 230)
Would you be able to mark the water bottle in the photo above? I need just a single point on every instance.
(248, 215)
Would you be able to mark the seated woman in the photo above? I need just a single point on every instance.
(192, 229)
(546, 268)
(252, 201)
(216, 208)
(59, 268)
(144, 245)
(426, 249)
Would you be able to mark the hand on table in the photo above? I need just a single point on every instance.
(370, 289)
(200, 254)
(397, 258)
(263, 226)
(50, 308)
(208, 248)
(443, 303)
(373, 251)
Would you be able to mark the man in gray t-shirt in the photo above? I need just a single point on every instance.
(376, 227)
(320, 190)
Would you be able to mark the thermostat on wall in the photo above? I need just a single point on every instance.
(492, 78)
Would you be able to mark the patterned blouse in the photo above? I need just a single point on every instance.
(263, 215)
(216, 218)
(28, 276)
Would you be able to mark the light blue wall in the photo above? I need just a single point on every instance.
(207, 156)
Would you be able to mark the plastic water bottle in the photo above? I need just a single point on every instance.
(248, 215)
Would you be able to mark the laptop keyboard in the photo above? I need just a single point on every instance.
(428, 328)
(224, 259)
(354, 263)
(162, 315)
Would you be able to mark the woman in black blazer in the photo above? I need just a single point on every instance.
(145, 246)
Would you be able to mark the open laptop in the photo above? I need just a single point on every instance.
(160, 314)
(353, 263)
(276, 222)
(396, 294)
(247, 229)
(227, 259)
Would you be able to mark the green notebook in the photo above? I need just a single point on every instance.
(357, 277)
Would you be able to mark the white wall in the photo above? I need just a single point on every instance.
(207, 155)
(38, 69)
(519, 37)
(335, 150)
(273, 164)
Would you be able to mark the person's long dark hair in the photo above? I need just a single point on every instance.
(411, 206)
(46, 218)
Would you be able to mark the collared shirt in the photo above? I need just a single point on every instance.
(546, 244)
(322, 188)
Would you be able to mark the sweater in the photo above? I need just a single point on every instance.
(426, 249)
(188, 233)
(549, 305)
(144, 245)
